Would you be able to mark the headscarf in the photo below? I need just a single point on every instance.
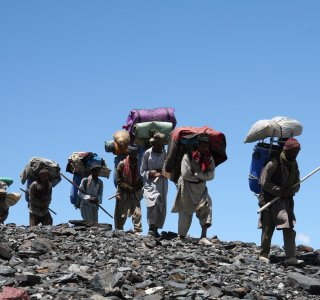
(292, 168)
(203, 159)
(291, 143)
(131, 177)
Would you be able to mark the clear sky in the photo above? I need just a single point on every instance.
(71, 71)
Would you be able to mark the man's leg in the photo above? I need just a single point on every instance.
(118, 220)
(33, 219)
(136, 219)
(289, 239)
(46, 219)
(267, 232)
(184, 223)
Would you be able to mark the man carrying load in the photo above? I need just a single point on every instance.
(197, 168)
(276, 178)
(90, 194)
(40, 193)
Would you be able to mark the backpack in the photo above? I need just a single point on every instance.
(262, 154)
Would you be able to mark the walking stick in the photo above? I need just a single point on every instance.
(28, 193)
(113, 196)
(277, 198)
(82, 191)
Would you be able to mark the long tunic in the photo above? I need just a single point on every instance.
(282, 210)
(89, 211)
(40, 198)
(154, 191)
(127, 200)
(192, 192)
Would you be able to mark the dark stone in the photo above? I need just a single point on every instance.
(6, 271)
(41, 245)
(26, 280)
(310, 284)
(5, 251)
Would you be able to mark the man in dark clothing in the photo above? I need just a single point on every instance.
(276, 179)
(40, 192)
(129, 191)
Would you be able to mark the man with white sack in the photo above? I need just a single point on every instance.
(276, 178)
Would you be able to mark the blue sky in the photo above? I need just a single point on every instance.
(71, 71)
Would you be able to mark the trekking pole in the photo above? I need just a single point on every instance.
(113, 196)
(277, 198)
(82, 191)
(28, 193)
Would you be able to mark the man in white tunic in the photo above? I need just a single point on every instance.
(155, 186)
(196, 169)
(90, 193)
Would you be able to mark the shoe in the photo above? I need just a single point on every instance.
(137, 233)
(205, 241)
(292, 261)
(264, 259)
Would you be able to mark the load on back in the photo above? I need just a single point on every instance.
(32, 169)
(183, 139)
(79, 164)
(141, 125)
(278, 129)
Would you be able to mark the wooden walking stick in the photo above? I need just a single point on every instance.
(113, 196)
(82, 191)
(277, 198)
(28, 193)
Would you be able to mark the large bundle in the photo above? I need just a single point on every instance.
(279, 127)
(164, 114)
(31, 170)
(11, 198)
(142, 124)
(119, 144)
(79, 163)
(183, 140)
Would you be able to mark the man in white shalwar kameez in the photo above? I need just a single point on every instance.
(196, 169)
(155, 186)
(90, 193)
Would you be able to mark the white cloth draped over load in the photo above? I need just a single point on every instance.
(279, 127)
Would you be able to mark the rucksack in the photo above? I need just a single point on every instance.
(262, 154)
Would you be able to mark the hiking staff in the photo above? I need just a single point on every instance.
(84, 193)
(28, 193)
(113, 196)
(277, 198)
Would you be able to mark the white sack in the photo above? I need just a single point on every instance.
(289, 127)
(261, 130)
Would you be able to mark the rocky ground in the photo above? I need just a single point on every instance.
(80, 262)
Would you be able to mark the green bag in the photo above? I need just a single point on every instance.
(144, 130)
